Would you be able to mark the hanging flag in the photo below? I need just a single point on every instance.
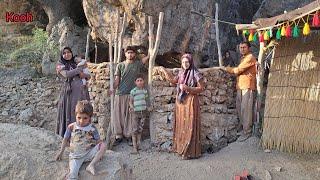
(250, 37)
(283, 31)
(255, 38)
(315, 20)
(306, 29)
(288, 31)
(261, 37)
(266, 35)
(295, 31)
(245, 32)
(270, 33)
(278, 35)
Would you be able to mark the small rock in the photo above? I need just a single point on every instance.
(278, 168)
(267, 151)
(318, 169)
(26, 114)
(4, 113)
(268, 175)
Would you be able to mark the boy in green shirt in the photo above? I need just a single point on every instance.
(139, 107)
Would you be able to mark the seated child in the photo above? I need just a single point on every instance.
(139, 101)
(81, 62)
(85, 143)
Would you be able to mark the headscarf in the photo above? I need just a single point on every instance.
(69, 64)
(189, 77)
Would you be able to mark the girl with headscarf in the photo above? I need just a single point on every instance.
(72, 89)
(186, 128)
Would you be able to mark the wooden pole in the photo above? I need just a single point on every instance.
(260, 76)
(217, 35)
(109, 142)
(152, 51)
(115, 45)
(96, 51)
(151, 38)
(87, 45)
(153, 48)
(120, 39)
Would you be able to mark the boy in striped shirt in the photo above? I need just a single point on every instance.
(139, 107)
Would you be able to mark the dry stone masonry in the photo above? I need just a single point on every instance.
(218, 114)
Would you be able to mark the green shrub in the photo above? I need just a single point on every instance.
(31, 52)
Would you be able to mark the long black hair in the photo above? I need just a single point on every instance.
(68, 63)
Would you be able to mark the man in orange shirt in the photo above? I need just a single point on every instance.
(246, 89)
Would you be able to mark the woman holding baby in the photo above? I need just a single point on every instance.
(186, 128)
(73, 89)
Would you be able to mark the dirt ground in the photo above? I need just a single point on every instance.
(27, 153)
(224, 164)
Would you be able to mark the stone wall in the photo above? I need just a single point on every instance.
(218, 114)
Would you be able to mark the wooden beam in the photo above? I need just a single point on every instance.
(120, 39)
(115, 44)
(260, 77)
(152, 51)
(109, 141)
(87, 45)
(217, 35)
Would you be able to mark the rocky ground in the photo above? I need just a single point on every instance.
(224, 164)
(27, 98)
(27, 152)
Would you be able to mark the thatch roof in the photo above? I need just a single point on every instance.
(266, 23)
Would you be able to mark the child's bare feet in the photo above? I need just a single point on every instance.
(90, 168)
(134, 152)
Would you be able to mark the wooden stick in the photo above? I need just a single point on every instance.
(116, 37)
(152, 51)
(260, 76)
(120, 40)
(87, 45)
(96, 51)
(153, 48)
(217, 35)
(109, 130)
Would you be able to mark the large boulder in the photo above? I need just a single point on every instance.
(270, 8)
(182, 31)
(28, 153)
(63, 34)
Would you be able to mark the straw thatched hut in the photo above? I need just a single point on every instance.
(291, 118)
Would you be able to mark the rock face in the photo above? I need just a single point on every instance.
(182, 31)
(218, 115)
(63, 34)
(28, 153)
(270, 8)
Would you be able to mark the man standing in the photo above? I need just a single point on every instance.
(246, 89)
(125, 75)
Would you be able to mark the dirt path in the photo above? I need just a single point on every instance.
(27, 153)
(223, 164)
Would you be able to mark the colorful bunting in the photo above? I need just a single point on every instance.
(266, 35)
(306, 29)
(288, 31)
(261, 37)
(295, 31)
(278, 35)
(283, 31)
(255, 38)
(315, 20)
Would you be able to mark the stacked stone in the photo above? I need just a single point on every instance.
(98, 90)
(218, 114)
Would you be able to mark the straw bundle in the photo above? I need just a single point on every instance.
(292, 112)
